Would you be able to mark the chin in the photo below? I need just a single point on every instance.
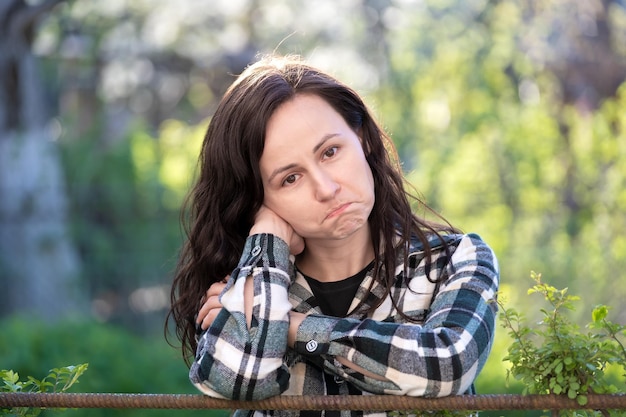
(348, 228)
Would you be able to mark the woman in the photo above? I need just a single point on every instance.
(305, 270)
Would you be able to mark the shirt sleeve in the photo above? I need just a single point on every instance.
(234, 361)
(439, 358)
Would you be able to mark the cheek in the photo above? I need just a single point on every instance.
(295, 211)
(284, 207)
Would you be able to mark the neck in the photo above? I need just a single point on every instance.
(334, 260)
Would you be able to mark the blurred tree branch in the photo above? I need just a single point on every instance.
(17, 27)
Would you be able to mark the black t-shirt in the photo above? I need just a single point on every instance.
(334, 298)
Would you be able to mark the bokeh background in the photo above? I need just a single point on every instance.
(509, 117)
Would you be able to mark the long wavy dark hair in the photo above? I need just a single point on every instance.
(220, 209)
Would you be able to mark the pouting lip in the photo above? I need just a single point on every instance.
(335, 209)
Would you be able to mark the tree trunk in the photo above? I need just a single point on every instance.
(38, 264)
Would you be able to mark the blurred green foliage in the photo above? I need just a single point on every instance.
(492, 141)
(125, 199)
(119, 361)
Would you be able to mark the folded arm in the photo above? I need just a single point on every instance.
(240, 356)
(441, 357)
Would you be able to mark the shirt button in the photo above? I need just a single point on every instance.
(256, 250)
(311, 346)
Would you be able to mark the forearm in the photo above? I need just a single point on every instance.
(248, 339)
(392, 358)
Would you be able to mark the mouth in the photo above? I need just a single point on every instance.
(337, 210)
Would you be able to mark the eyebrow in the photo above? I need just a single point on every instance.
(319, 144)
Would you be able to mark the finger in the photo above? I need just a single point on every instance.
(210, 304)
(208, 320)
(215, 289)
(210, 301)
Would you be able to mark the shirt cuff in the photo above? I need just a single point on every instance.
(313, 337)
(264, 249)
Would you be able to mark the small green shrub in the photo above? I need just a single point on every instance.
(57, 380)
(556, 357)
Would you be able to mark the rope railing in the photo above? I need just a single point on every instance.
(334, 402)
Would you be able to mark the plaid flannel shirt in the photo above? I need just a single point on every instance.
(441, 354)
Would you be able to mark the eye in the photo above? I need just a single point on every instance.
(290, 179)
(330, 152)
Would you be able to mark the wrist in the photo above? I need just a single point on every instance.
(257, 229)
(295, 319)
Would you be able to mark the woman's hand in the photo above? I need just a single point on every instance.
(211, 306)
(267, 221)
(295, 319)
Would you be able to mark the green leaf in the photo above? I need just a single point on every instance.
(11, 381)
(572, 393)
(599, 313)
(10, 376)
(559, 367)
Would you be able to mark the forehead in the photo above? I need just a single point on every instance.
(305, 116)
(297, 129)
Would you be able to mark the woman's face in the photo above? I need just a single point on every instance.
(315, 175)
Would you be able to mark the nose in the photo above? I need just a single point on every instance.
(326, 187)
